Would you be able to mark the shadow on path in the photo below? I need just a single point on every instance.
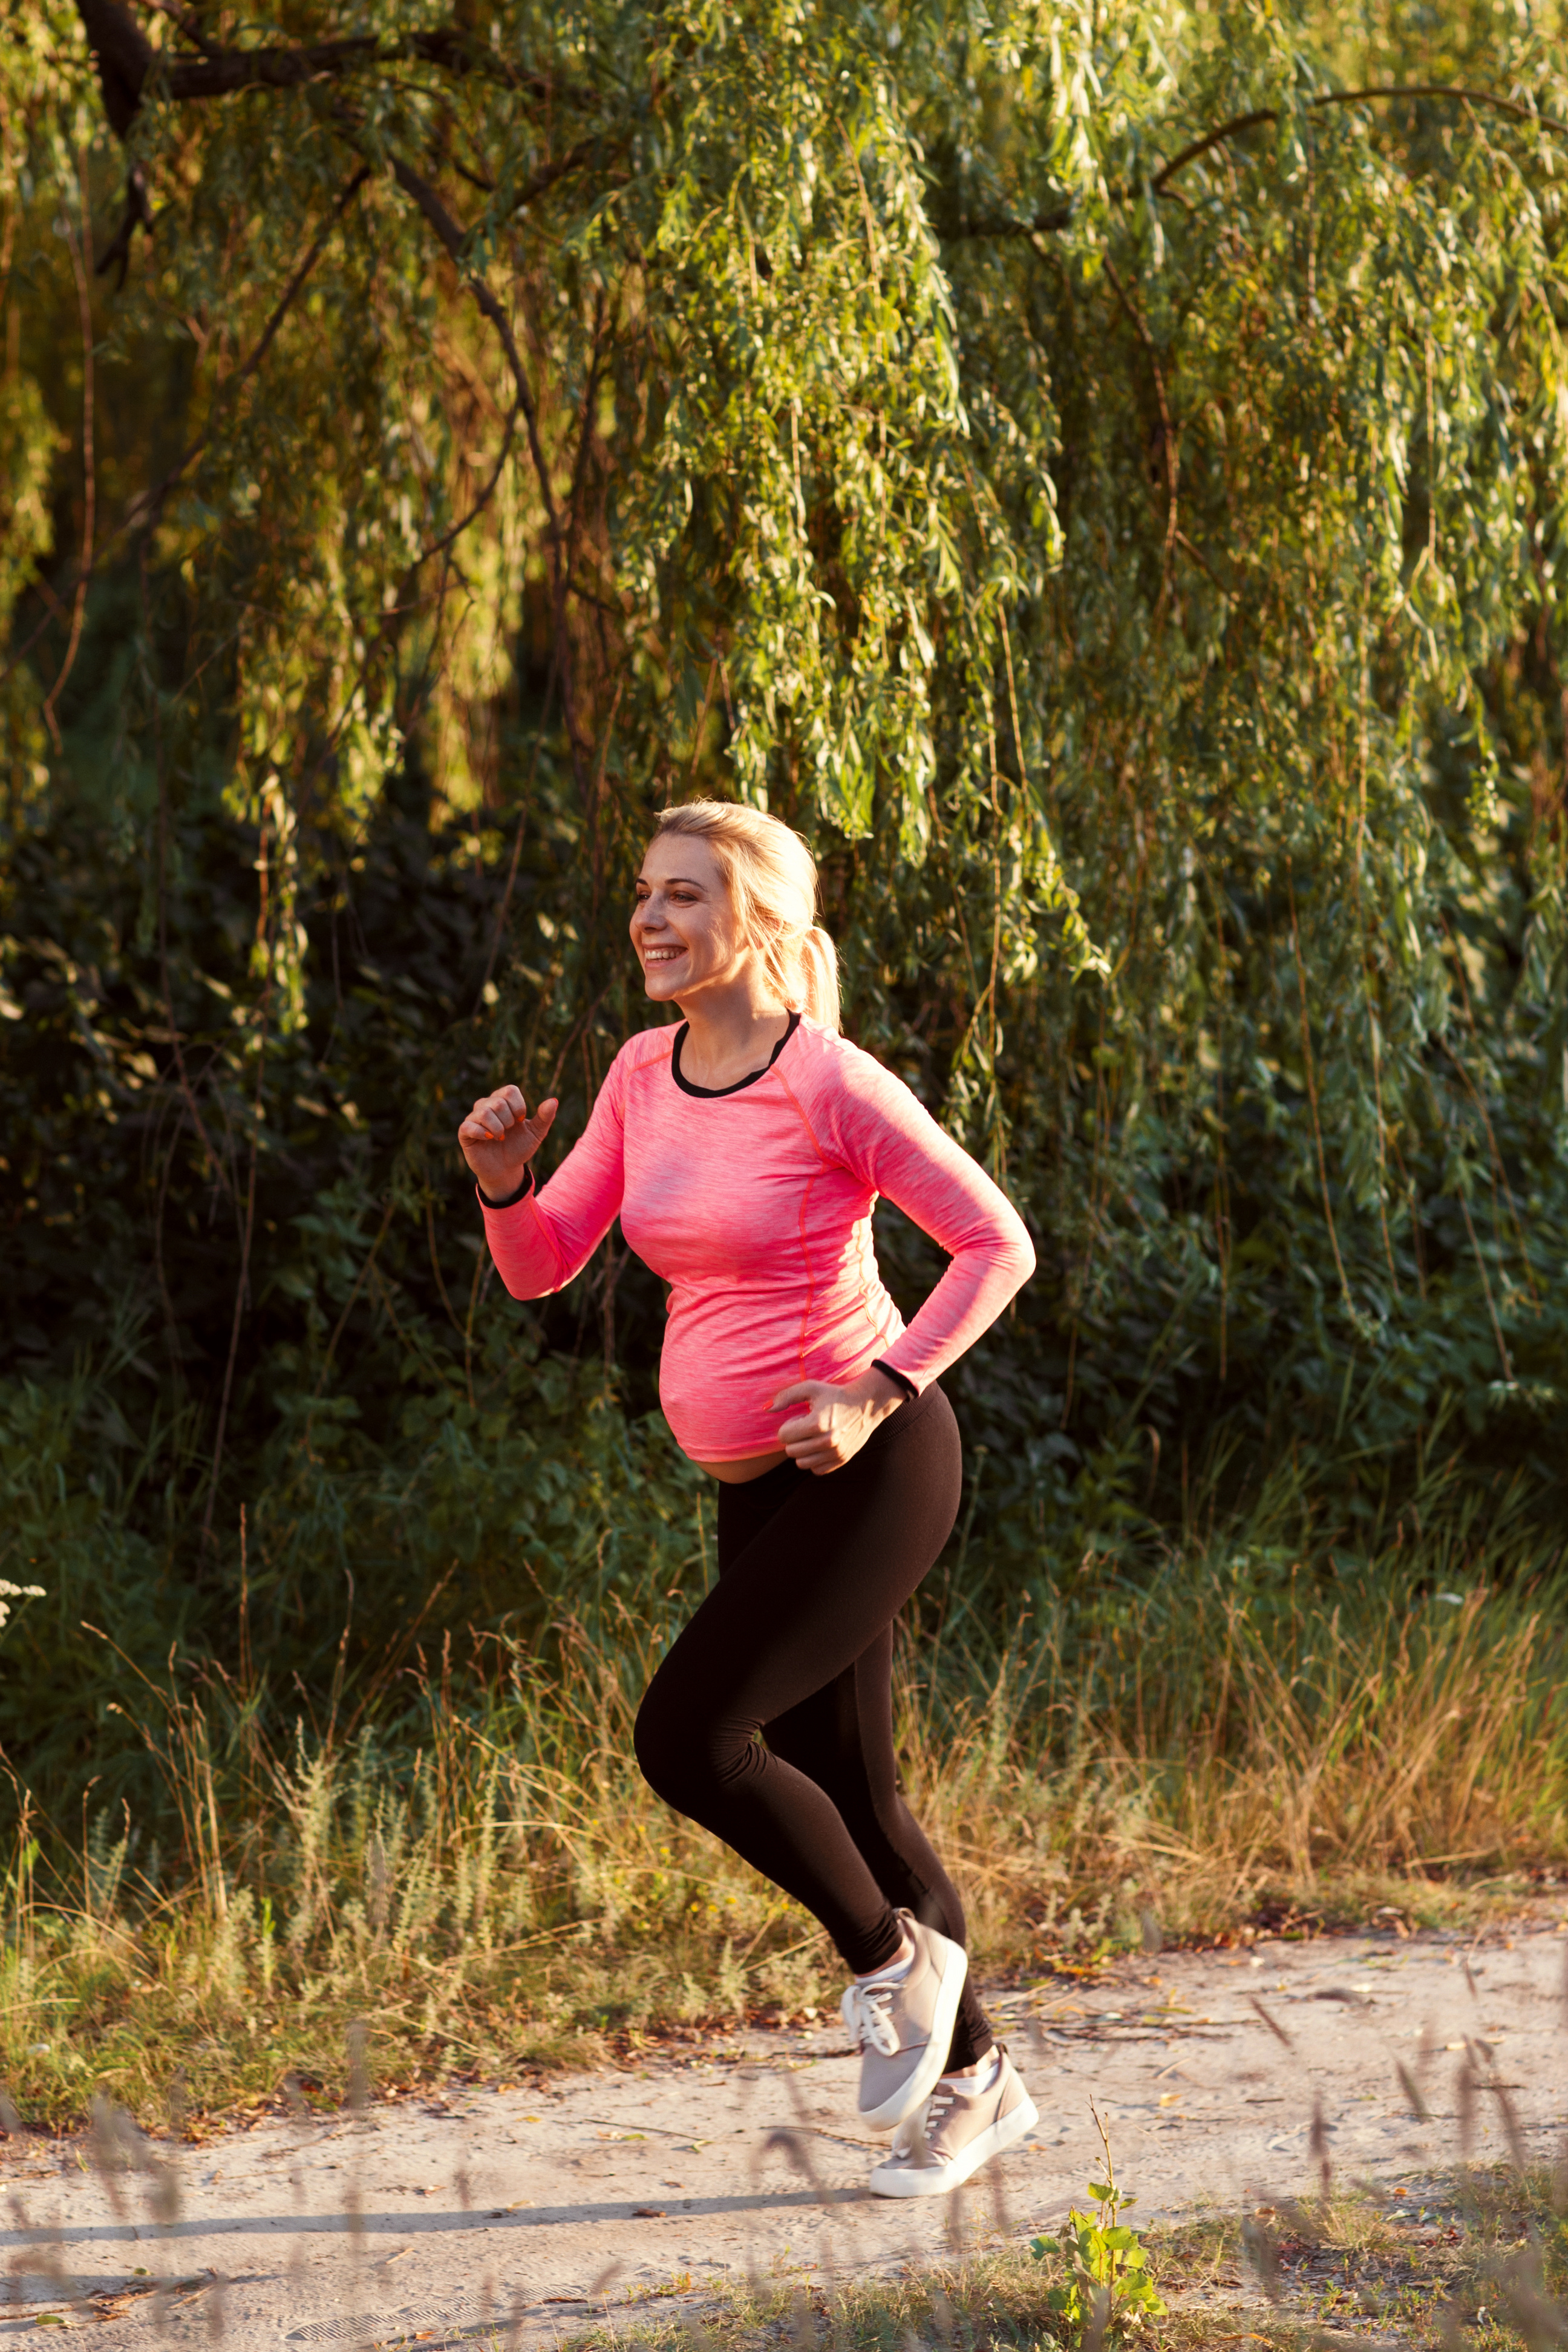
(39, 2234)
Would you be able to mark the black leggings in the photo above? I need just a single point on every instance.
(795, 1641)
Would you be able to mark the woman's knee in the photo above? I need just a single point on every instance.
(655, 1741)
(684, 1753)
(670, 1742)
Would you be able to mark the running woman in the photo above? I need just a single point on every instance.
(744, 1149)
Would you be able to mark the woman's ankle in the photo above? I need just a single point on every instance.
(896, 1965)
(981, 2066)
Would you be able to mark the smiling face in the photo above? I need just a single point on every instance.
(683, 924)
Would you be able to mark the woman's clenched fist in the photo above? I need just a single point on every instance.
(836, 1419)
(499, 1138)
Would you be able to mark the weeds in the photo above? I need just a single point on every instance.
(1486, 2261)
(1251, 1729)
(1479, 2256)
(478, 1865)
(1484, 2250)
(1107, 2288)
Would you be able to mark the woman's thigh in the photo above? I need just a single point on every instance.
(824, 1576)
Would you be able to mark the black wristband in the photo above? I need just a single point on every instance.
(521, 1193)
(902, 1379)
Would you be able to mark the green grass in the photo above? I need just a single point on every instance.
(1249, 1730)
(1478, 2260)
(1484, 2261)
(1482, 2252)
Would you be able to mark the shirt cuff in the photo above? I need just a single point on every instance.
(903, 1379)
(512, 1200)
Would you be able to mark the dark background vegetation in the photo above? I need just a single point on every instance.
(1293, 1156)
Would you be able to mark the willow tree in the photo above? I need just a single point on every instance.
(1100, 472)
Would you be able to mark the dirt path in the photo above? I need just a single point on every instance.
(448, 2213)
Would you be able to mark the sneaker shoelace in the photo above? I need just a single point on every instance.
(872, 2005)
(927, 2123)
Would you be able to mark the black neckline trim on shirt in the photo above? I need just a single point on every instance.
(712, 1093)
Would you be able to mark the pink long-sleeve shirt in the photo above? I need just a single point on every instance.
(754, 1205)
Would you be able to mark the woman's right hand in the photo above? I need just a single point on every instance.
(498, 1139)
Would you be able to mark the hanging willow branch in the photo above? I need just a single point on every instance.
(850, 473)
(1489, 99)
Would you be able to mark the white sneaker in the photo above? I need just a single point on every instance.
(961, 2127)
(903, 2026)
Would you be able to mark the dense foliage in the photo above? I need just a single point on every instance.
(1100, 473)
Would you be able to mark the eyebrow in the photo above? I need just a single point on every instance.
(690, 881)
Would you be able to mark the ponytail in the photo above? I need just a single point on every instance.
(820, 977)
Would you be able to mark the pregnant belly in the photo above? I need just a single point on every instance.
(727, 1357)
(741, 1473)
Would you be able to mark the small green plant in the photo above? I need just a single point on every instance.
(1108, 2289)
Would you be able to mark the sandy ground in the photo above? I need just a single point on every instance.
(534, 2207)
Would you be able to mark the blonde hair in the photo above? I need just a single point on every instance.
(771, 877)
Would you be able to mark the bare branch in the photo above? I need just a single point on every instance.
(1051, 223)
(148, 504)
(1234, 129)
(128, 63)
(1169, 451)
(223, 71)
(138, 214)
(1044, 223)
(455, 239)
(123, 55)
(548, 174)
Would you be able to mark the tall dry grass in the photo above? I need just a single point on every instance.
(488, 1880)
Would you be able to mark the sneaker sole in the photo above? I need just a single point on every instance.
(928, 2074)
(936, 2179)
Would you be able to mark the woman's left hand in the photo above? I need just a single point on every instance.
(835, 1421)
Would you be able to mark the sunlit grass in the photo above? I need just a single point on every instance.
(1239, 1735)
(1485, 2262)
